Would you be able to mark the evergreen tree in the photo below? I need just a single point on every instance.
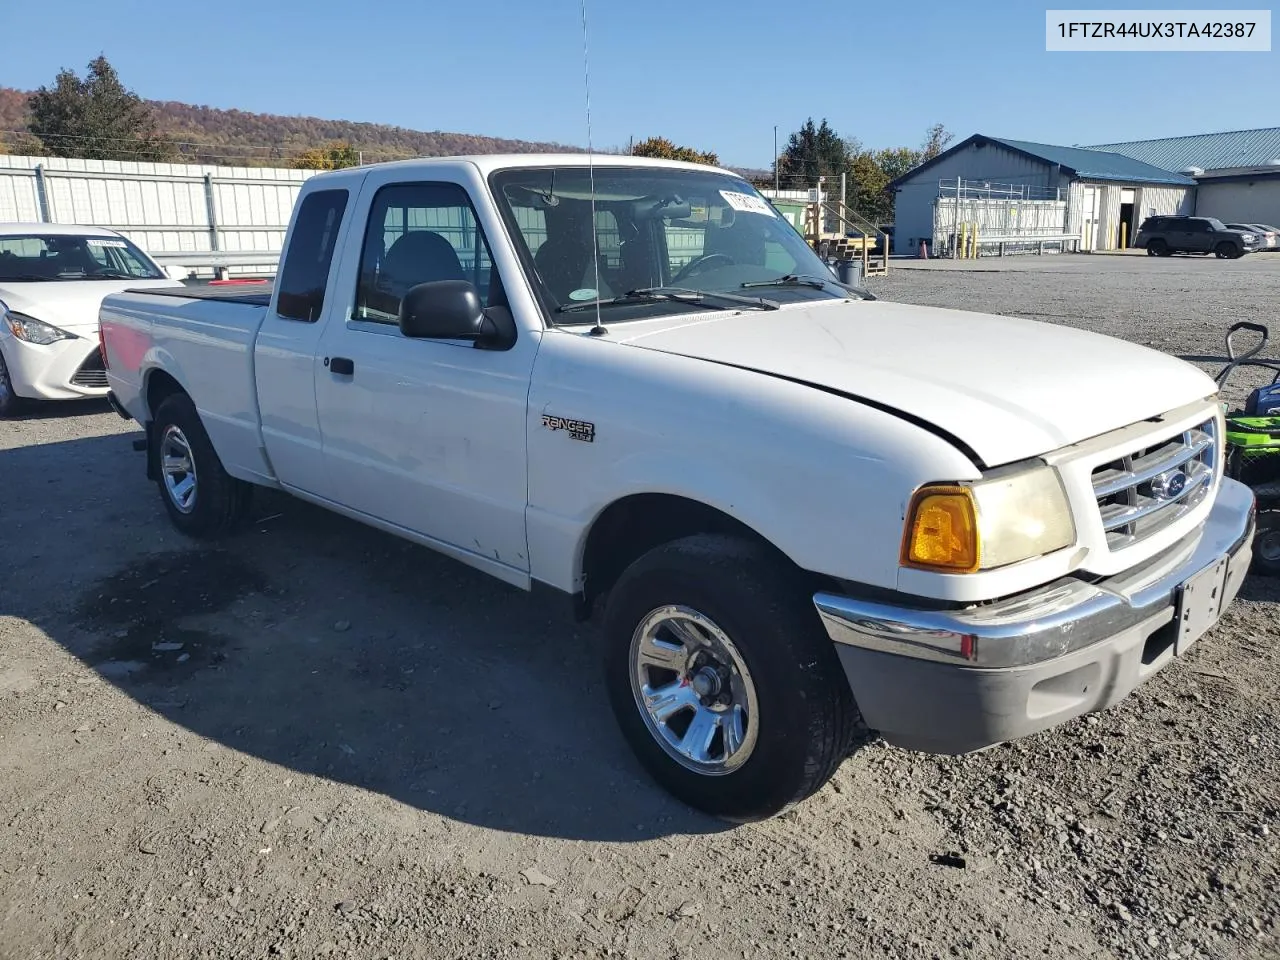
(95, 118)
(815, 151)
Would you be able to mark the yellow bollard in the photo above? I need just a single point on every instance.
(1124, 235)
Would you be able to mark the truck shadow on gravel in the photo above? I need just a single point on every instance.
(329, 648)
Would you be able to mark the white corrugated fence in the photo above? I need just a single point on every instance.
(204, 217)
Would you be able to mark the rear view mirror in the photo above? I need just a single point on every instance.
(665, 208)
(443, 310)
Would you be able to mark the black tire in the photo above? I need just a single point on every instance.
(1226, 251)
(219, 501)
(1157, 248)
(10, 402)
(807, 721)
(1266, 543)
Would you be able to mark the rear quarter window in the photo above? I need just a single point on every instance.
(305, 272)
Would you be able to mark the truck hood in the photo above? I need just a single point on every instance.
(71, 305)
(1008, 388)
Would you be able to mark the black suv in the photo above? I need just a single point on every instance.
(1165, 235)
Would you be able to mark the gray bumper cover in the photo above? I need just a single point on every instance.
(954, 681)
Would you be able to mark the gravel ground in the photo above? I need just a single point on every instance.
(315, 740)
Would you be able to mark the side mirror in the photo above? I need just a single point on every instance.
(443, 310)
(175, 272)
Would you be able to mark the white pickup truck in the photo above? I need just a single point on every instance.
(807, 514)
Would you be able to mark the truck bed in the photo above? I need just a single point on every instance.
(206, 335)
(258, 294)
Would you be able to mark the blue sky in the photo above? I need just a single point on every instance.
(710, 73)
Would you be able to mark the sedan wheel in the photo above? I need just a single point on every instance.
(9, 400)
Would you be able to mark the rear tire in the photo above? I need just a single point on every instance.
(201, 498)
(1266, 543)
(712, 634)
(1157, 248)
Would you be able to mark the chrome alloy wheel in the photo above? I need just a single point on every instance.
(178, 468)
(694, 691)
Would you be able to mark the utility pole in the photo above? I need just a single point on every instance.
(775, 160)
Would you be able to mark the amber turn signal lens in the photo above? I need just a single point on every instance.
(942, 531)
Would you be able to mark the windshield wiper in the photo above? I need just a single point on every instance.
(790, 280)
(678, 294)
(115, 275)
(818, 283)
(27, 278)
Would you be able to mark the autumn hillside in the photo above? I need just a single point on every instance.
(234, 137)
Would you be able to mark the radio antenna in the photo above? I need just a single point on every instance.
(598, 329)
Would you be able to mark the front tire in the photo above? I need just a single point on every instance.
(10, 402)
(1157, 248)
(201, 498)
(1266, 543)
(722, 679)
(1226, 251)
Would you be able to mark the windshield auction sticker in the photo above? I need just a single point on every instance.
(1078, 31)
(747, 203)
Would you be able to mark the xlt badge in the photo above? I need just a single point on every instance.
(578, 429)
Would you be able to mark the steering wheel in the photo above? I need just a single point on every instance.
(696, 264)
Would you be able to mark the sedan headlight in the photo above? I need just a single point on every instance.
(34, 331)
(966, 527)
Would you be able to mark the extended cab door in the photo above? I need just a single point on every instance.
(428, 435)
(284, 353)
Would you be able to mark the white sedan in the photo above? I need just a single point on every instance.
(52, 281)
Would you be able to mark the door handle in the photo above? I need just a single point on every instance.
(340, 365)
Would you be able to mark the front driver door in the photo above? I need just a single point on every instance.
(428, 435)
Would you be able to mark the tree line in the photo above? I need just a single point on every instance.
(94, 116)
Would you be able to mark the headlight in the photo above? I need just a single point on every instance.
(1247, 236)
(966, 527)
(34, 331)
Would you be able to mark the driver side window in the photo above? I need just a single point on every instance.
(419, 233)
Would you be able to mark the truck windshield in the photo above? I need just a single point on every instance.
(655, 229)
(60, 256)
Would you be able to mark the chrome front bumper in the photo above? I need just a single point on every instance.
(952, 681)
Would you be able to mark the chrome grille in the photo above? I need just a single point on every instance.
(92, 373)
(1150, 488)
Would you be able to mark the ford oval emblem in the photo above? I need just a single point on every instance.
(1168, 485)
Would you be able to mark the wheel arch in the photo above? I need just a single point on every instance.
(157, 387)
(632, 525)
